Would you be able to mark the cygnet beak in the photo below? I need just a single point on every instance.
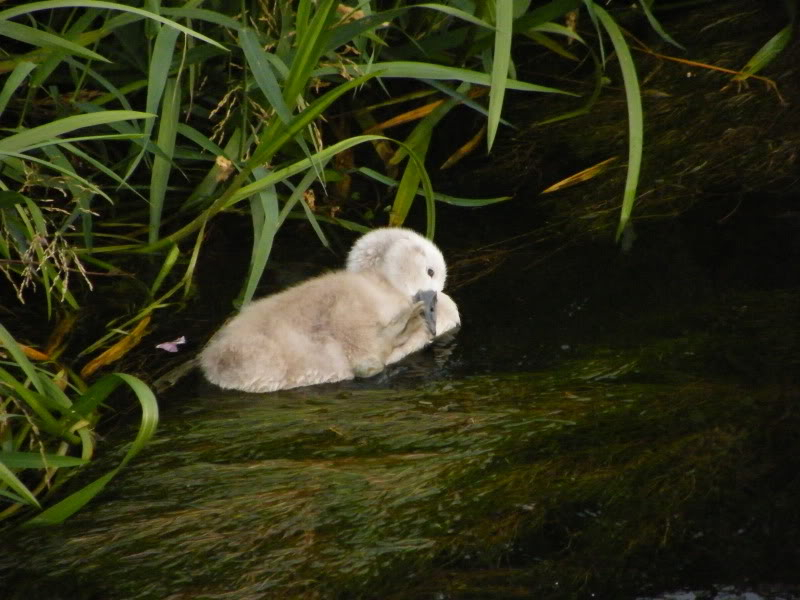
(429, 300)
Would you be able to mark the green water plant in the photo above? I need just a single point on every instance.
(47, 417)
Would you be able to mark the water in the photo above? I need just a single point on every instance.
(604, 425)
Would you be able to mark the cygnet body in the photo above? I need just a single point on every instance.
(345, 324)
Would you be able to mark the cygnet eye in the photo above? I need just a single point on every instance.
(430, 272)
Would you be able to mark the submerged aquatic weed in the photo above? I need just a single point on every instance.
(376, 491)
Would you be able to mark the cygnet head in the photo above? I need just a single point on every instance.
(410, 262)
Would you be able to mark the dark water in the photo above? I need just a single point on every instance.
(605, 425)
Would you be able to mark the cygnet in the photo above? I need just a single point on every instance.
(345, 324)
(371, 252)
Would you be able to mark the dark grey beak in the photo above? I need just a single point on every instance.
(429, 300)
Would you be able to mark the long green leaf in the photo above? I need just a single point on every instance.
(30, 137)
(67, 145)
(310, 46)
(22, 361)
(461, 97)
(407, 190)
(767, 53)
(71, 504)
(422, 70)
(69, 173)
(169, 263)
(13, 82)
(500, 64)
(77, 32)
(36, 460)
(439, 197)
(157, 80)
(262, 71)
(8, 478)
(635, 118)
(264, 211)
(162, 165)
(37, 37)
(276, 176)
(202, 14)
(421, 135)
(278, 134)
(38, 403)
(297, 167)
(297, 194)
(62, 141)
(654, 23)
(30, 7)
(201, 140)
(113, 91)
(418, 142)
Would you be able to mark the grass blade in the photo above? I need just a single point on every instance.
(407, 190)
(767, 53)
(297, 194)
(36, 460)
(422, 70)
(202, 14)
(50, 165)
(157, 81)
(500, 65)
(310, 46)
(297, 167)
(262, 71)
(8, 478)
(264, 211)
(74, 502)
(10, 344)
(635, 119)
(30, 7)
(166, 269)
(30, 137)
(44, 39)
(439, 197)
(162, 165)
(13, 81)
(645, 4)
(38, 403)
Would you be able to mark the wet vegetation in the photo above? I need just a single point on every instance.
(584, 479)
(606, 424)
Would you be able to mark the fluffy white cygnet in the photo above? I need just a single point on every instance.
(372, 251)
(352, 323)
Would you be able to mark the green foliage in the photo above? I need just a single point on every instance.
(222, 97)
(42, 420)
(127, 130)
(635, 118)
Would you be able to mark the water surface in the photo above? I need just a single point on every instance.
(604, 425)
